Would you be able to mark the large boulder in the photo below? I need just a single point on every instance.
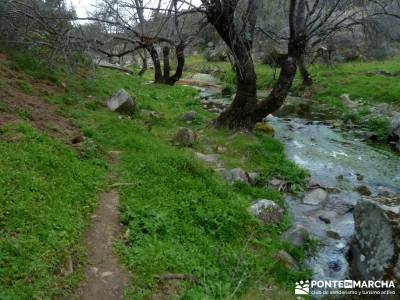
(122, 103)
(184, 137)
(267, 211)
(376, 245)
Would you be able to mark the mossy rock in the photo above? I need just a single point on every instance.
(265, 128)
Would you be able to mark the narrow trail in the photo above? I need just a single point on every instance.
(105, 278)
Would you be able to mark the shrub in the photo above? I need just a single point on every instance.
(379, 126)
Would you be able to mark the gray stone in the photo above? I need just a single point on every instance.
(122, 103)
(296, 235)
(237, 175)
(189, 116)
(151, 114)
(286, 259)
(315, 197)
(377, 238)
(208, 158)
(267, 211)
(342, 203)
(347, 101)
(184, 137)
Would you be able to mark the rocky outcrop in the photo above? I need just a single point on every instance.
(122, 103)
(376, 245)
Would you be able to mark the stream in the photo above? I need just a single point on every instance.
(341, 167)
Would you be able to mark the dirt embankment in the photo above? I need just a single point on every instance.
(16, 104)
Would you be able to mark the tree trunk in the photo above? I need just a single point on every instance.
(180, 56)
(305, 75)
(144, 64)
(158, 77)
(239, 114)
(167, 67)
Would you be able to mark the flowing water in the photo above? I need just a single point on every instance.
(339, 163)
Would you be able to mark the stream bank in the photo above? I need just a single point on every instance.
(343, 168)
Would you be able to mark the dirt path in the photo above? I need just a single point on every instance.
(105, 278)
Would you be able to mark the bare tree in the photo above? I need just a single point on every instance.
(154, 27)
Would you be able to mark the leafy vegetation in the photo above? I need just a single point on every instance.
(179, 216)
(46, 192)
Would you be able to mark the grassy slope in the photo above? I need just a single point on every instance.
(179, 216)
(46, 191)
(351, 78)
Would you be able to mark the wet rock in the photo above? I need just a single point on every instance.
(363, 190)
(359, 177)
(122, 103)
(238, 175)
(184, 137)
(385, 191)
(264, 128)
(315, 197)
(327, 217)
(267, 211)
(333, 234)
(376, 244)
(286, 259)
(189, 116)
(297, 235)
(394, 133)
(341, 203)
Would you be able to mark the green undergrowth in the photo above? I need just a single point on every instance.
(46, 192)
(375, 81)
(179, 216)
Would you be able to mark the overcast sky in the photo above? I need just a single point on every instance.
(82, 6)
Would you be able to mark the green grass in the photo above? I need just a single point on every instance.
(46, 192)
(25, 87)
(359, 79)
(179, 216)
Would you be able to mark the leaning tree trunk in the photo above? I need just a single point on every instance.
(239, 114)
(180, 56)
(245, 111)
(158, 76)
(144, 64)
